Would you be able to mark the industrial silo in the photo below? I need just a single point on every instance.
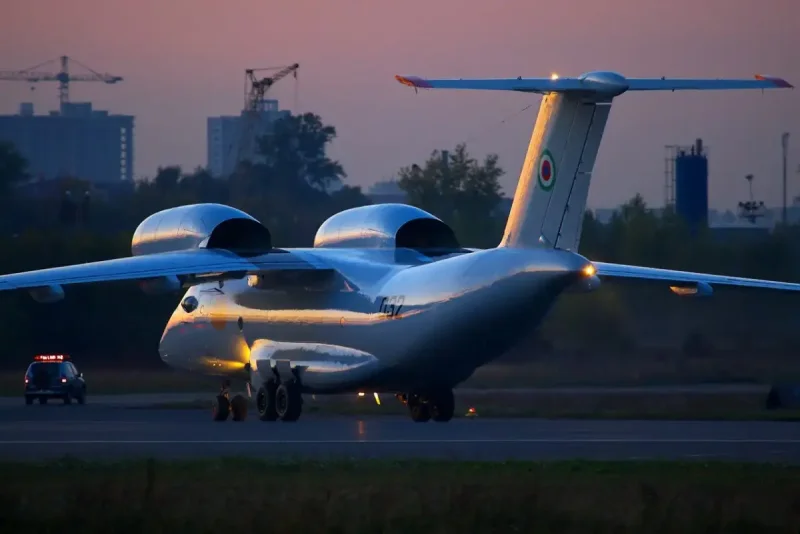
(691, 185)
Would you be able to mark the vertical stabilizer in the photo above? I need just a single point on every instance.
(553, 186)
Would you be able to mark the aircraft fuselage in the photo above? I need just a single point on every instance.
(390, 320)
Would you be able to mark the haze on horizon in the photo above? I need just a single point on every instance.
(184, 60)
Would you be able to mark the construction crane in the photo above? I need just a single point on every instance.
(63, 77)
(255, 90)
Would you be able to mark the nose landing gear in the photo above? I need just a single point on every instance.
(224, 406)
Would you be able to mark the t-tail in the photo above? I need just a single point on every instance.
(553, 186)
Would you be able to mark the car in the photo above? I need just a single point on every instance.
(54, 376)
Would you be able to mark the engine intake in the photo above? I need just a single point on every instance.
(387, 226)
(200, 226)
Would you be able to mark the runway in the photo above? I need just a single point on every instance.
(149, 399)
(108, 432)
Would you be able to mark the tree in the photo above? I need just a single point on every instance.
(459, 190)
(13, 167)
(295, 151)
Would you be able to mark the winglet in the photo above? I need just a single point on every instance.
(779, 82)
(413, 81)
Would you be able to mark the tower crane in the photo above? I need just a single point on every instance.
(255, 89)
(63, 77)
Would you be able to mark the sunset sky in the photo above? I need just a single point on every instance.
(184, 60)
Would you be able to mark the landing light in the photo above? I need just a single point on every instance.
(375, 394)
(554, 76)
(589, 270)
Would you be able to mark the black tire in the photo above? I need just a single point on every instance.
(288, 402)
(265, 401)
(420, 412)
(67, 399)
(220, 409)
(442, 406)
(239, 408)
(42, 400)
(82, 397)
(28, 400)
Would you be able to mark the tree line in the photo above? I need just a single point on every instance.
(292, 189)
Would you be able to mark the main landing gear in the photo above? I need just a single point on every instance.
(279, 401)
(438, 405)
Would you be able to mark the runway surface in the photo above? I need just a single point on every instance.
(94, 432)
(148, 399)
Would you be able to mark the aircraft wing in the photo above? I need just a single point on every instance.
(182, 265)
(684, 282)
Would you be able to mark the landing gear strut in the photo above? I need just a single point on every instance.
(224, 406)
(438, 405)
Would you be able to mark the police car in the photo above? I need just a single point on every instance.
(53, 376)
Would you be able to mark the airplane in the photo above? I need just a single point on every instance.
(387, 299)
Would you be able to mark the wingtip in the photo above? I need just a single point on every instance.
(412, 81)
(779, 82)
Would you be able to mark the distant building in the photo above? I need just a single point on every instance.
(223, 135)
(75, 141)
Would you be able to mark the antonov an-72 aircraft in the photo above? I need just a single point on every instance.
(386, 300)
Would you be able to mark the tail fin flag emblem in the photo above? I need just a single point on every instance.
(547, 171)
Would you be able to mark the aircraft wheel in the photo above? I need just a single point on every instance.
(67, 399)
(42, 400)
(239, 408)
(288, 401)
(420, 411)
(221, 408)
(265, 401)
(82, 397)
(442, 406)
(28, 400)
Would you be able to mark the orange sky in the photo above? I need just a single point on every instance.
(184, 60)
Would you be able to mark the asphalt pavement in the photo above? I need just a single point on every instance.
(96, 431)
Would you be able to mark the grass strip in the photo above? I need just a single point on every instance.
(398, 496)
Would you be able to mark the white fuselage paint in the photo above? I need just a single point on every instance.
(450, 316)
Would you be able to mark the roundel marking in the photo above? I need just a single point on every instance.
(547, 171)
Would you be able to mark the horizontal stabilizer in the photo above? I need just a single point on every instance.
(599, 82)
(682, 278)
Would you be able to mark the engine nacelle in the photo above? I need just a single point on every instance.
(386, 226)
(200, 226)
